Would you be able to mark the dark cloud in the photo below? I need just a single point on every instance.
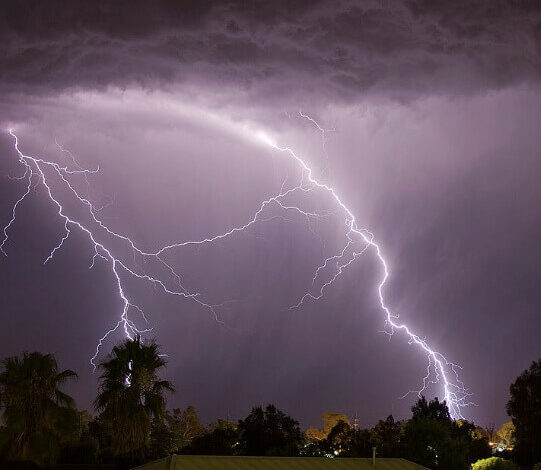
(340, 49)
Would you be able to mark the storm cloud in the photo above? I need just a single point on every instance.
(304, 50)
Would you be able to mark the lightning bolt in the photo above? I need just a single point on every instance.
(443, 371)
(357, 241)
(44, 171)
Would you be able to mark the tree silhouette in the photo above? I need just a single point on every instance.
(386, 437)
(524, 407)
(431, 410)
(38, 416)
(269, 432)
(131, 395)
(431, 438)
(221, 439)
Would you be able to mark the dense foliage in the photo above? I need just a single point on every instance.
(221, 438)
(131, 399)
(524, 407)
(433, 439)
(506, 435)
(494, 463)
(269, 432)
(38, 417)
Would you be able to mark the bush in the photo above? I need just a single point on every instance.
(495, 463)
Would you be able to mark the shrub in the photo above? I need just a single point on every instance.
(495, 463)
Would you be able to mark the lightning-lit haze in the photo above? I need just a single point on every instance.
(432, 142)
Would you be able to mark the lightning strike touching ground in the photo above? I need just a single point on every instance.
(357, 241)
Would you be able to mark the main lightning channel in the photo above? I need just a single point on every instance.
(455, 393)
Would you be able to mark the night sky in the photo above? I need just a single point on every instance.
(431, 114)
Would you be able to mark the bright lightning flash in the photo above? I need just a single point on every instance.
(357, 240)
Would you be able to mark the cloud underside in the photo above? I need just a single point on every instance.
(272, 50)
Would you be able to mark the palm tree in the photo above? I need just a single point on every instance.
(37, 415)
(131, 394)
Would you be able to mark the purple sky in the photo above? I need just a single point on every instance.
(434, 145)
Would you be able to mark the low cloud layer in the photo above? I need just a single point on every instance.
(280, 50)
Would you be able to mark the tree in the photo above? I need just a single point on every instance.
(221, 439)
(434, 409)
(506, 434)
(428, 442)
(83, 449)
(434, 440)
(524, 407)
(184, 425)
(330, 420)
(339, 439)
(343, 440)
(269, 432)
(131, 395)
(38, 416)
(490, 432)
(386, 437)
(315, 434)
(163, 441)
(473, 438)
(361, 443)
(494, 463)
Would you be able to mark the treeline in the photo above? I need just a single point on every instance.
(132, 424)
